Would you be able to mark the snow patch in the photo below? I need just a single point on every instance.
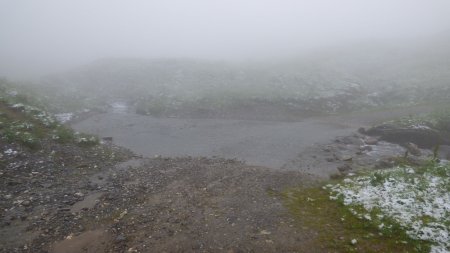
(64, 117)
(420, 203)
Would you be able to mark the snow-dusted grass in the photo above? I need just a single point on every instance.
(30, 125)
(416, 199)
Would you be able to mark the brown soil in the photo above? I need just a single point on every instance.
(195, 205)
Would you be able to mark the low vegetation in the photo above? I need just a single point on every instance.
(403, 209)
(23, 120)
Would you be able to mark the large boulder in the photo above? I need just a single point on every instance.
(424, 137)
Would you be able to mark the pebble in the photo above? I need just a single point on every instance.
(120, 238)
(79, 194)
(371, 141)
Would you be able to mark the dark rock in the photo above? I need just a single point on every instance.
(336, 176)
(362, 130)
(344, 168)
(13, 183)
(365, 148)
(413, 149)
(371, 141)
(384, 163)
(110, 139)
(379, 130)
(120, 238)
(346, 158)
(26, 203)
(422, 137)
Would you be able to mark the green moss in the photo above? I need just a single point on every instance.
(337, 226)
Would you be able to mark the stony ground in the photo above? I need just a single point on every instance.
(82, 203)
(103, 198)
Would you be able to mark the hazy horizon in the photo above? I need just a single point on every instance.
(40, 37)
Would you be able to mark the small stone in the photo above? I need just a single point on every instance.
(79, 194)
(362, 130)
(365, 148)
(346, 158)
(354, 241)
(265, 232)
(344, 168)
(371, 141)
(26, 203)
(120, 238)
(413, 149)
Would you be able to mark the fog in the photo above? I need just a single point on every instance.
(224, 125)
(41, 37)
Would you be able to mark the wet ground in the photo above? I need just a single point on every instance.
(66, 199)
(271, 144)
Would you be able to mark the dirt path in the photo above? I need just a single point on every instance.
(194, 205)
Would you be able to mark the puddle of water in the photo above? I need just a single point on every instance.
(87, 242)
(264, 143)
(87, 203)
(9, 235)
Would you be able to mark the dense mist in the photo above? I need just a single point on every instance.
(224, 126)
(42, 37)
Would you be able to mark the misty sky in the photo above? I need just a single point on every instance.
(38, 36)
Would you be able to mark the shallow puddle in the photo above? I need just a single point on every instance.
(87, 203)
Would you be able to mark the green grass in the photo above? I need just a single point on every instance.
(337, 226)
(24, 120)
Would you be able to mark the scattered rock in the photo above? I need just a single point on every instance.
(120, 238)
(370, 141)
(346, 158)
(413, 149)
(109, 139)
(265, 232)
(26, 203)
(365, 148)
(79, 194)
(384, 163)
(362, 130)
(344, 168)
(422, 137)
